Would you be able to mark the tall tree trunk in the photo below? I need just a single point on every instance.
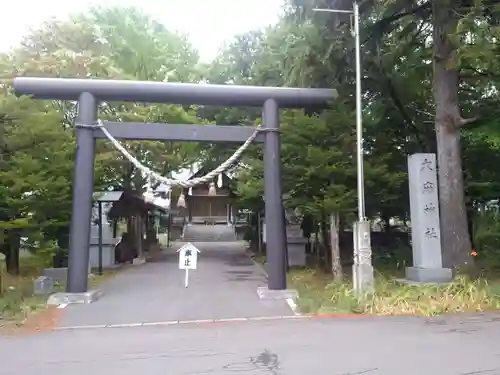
(324, 255)
(13, 246)
(4, 249)
(454, 231)
(470, 222)
(334, 245)
(62, 237)
(317, 245)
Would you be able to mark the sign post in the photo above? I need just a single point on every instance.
(188, 260)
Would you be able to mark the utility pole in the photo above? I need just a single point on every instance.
(362, 270)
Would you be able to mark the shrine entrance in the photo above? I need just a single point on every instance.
(205, 205)
(209, 210)
(90, 92)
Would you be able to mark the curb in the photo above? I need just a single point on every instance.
(208, 322)
(182, 322)
(293, 306)
(289, 301)
(339, 316)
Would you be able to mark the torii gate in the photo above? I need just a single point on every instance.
(89, 92)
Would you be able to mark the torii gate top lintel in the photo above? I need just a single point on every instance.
(168, 92)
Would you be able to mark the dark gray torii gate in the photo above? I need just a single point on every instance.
(88, 93)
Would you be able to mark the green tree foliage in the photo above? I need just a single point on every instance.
(430, 78)
(38, 138)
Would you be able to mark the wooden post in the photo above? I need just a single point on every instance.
(169, 226)
(334, 244)
(138, 234)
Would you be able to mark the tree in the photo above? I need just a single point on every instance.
(35, 171)
(448, 121)
(418, 96)
(86, 45)
(463, 35)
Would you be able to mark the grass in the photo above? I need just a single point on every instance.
(318, 294)
(17, 301)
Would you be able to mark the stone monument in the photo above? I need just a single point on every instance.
(426, 233)
(296, 242)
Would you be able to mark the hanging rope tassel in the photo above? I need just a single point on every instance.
(169, 198)
(149, 194)
(212, 191)
(190, 191)
(219, 181)
(181, 202)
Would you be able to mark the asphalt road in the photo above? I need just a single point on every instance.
(349, 346)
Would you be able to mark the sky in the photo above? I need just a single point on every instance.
(208, 23)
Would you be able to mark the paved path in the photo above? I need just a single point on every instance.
(371, 346)
(224, 286)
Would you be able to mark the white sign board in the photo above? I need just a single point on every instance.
(188, 260)
(188, 257)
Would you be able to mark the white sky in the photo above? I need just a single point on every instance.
(209, 23)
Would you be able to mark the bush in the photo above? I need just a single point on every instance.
(487, 239)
